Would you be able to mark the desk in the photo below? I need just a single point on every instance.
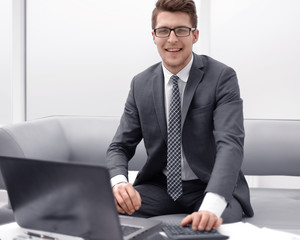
(247, 231)
(13, 231)
(236, 231)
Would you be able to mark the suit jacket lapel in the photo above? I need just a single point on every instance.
(159, 100)
(196, 76)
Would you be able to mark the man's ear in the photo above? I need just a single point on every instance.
(153, 37)
(195, 35)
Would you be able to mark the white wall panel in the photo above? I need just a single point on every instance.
(260, 39)
(5, 61)
(82, 54)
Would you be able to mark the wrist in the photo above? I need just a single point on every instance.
(118, 179)
(214, 203)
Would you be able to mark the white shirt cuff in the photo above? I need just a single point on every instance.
(214, 203)
(117, 179)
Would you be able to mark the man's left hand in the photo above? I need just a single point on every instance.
(202, 220)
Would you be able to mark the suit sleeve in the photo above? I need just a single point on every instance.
(229, 135)
(127, 137)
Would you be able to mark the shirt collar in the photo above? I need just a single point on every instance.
(183, 74)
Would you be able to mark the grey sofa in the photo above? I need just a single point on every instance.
(272, 147)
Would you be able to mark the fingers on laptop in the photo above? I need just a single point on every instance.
(127, 198)
(202, 220)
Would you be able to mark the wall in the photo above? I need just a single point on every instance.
(5, 61)
(260, 39)
(82, 55)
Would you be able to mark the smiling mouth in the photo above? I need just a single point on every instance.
(173, 49)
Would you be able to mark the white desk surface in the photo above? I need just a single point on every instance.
(236, 231)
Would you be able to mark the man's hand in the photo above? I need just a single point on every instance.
(127, 199)
(202, 220)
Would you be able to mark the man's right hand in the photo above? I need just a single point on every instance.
(128, 200)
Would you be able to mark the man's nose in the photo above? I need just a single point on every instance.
(172, 37)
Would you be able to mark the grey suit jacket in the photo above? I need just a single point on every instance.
(212, 128)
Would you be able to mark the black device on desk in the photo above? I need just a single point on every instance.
(177, 232)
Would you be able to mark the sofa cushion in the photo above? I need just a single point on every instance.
(275, 208)
(6, 215)
(271, 147)
(41, 139)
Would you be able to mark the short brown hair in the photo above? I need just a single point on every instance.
(186, 6)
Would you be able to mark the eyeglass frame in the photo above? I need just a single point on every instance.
(174, 30)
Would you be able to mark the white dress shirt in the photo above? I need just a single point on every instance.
(212, 202)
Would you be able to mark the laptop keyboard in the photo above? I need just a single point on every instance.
(185, 233)
(126, 230)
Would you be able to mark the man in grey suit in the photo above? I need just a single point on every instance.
(212, 187)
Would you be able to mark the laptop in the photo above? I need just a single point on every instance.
(68, 198)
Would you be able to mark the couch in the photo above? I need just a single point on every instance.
(272, 147)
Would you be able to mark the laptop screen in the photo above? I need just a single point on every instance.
(67, 198)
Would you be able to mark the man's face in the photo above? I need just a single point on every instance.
(176, 52)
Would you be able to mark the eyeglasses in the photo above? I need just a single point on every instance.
(165, 32)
